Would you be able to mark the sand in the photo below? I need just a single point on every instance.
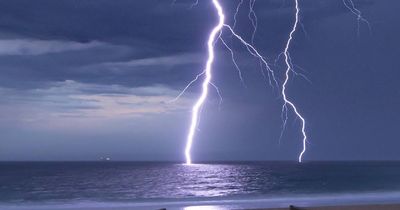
(350, 207)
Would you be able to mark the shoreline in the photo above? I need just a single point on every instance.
(345, 201)
(367, 201)
(212, 207)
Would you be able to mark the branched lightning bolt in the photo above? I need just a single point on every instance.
(254, 52)
(234, 61)
(214, 35)
(288, 70)
(250, 47)
(187, 86)
(350, 5)
(236, 13)
(218, 93)
(253, 19)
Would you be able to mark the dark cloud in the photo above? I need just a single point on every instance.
(51, 41)
(124, 23)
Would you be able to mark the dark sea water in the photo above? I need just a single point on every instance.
(143, 185)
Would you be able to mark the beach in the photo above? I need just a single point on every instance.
(207, 207)
(338, 207)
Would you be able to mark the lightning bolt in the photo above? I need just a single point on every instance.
(254, 52)
(214, 35)
(289, 68)
(253, 19)
(236, 13)
(288, 62)
(234, 61)
(351, 6)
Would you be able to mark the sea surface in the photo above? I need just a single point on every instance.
(153, 185)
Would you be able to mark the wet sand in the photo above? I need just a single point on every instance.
(349, 207)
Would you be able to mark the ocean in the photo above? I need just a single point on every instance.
(155, 185)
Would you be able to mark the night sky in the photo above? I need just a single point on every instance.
(84, 79)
